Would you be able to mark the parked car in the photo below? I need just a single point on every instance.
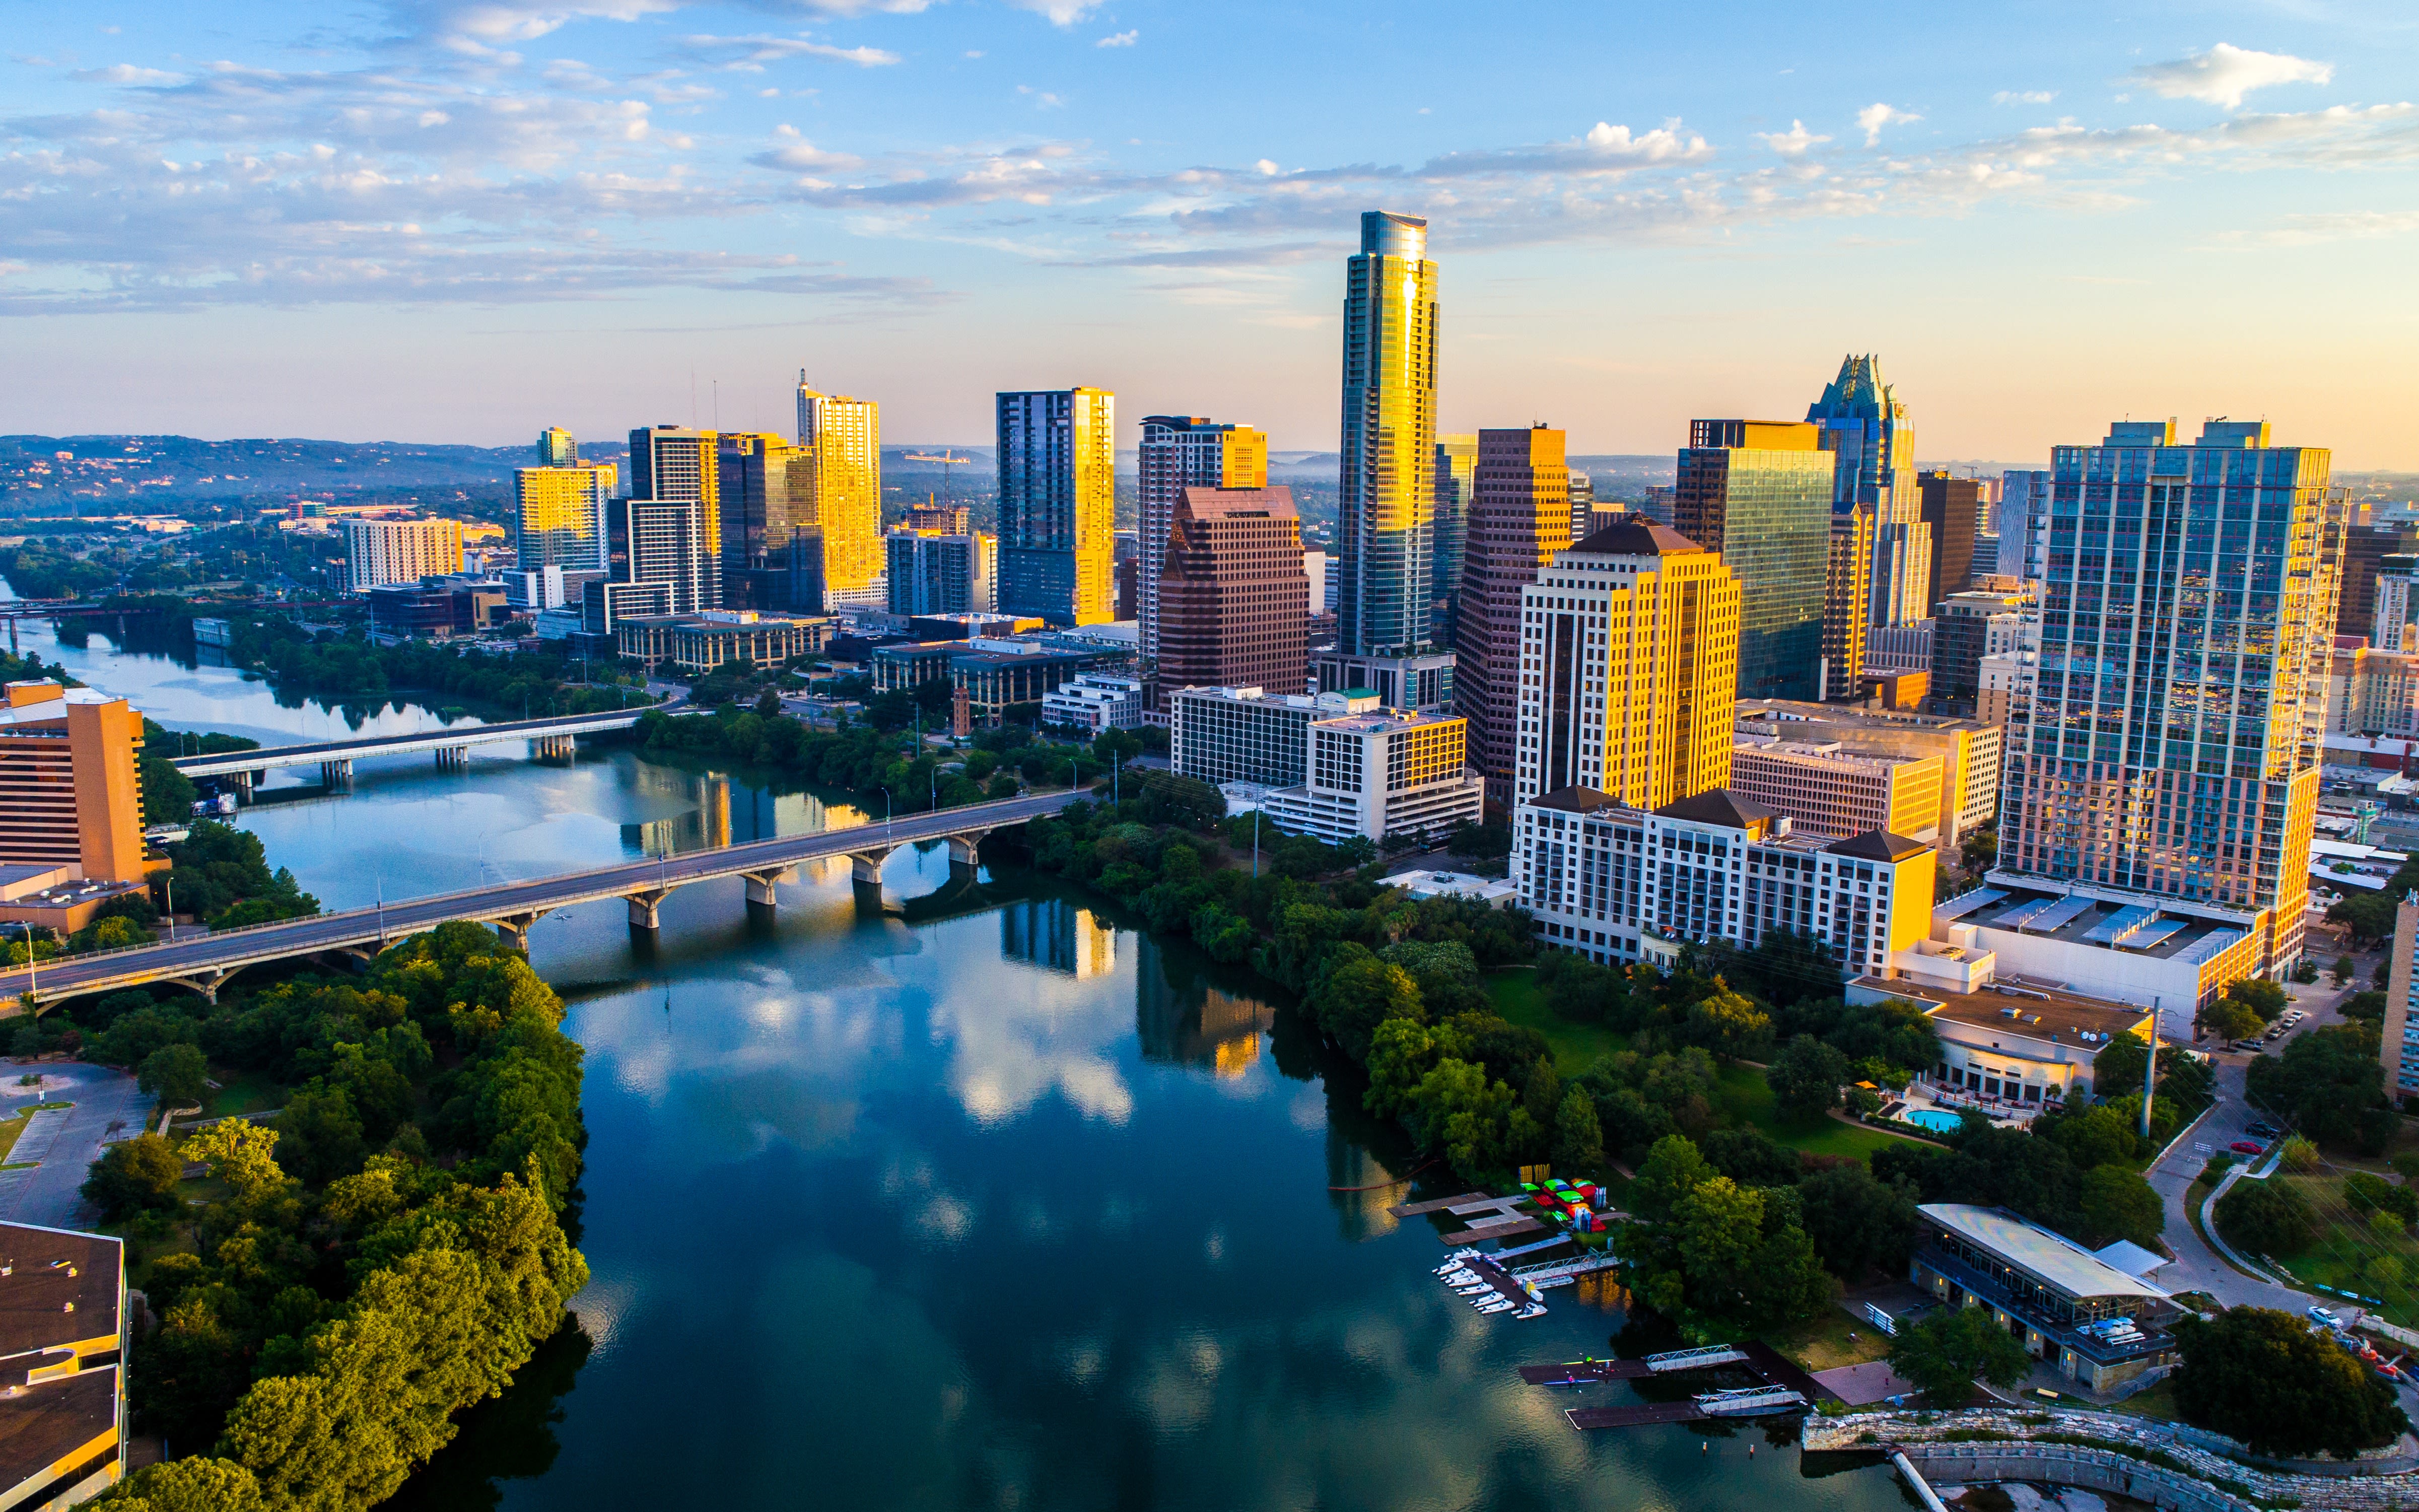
(2262, 1130)
(2244, 1146)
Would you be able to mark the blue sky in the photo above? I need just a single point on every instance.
(463, 220)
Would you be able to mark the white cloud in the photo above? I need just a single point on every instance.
(1793, 143)
(2225, 74)
(2024, 97)
(1871, 120)
(1119, 39)
(2349, 225)
(750, 53)
(127, 76)
(1061, 12)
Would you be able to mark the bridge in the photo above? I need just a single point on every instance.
(203, 963)
(548, 738)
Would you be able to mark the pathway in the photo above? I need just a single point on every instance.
(2198, 1267)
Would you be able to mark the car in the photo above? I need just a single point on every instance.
(2244, 1146)
(2262, 1130)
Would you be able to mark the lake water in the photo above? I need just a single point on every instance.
(955, 1196)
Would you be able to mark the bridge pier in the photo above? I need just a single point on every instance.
(453, 759)
(513, 928)
(963, 849)
(206, 983)
(336, 776)
(761, 885)
(643, 909)
(554, 747)
(865, 866)
(242, 783)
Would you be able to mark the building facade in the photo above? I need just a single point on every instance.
(693, 646)
(843, 439)
(666, 541)
(1969, 750)
(1866, 430)
(1180, 452)
(557, 448)
(1424, 682)
(1847, 577)
(2096, 1324)
(1247, 735)
(941, 574)
(1233, 600)
(559, 516)
(1456, 482)
(2167, 753)
(1095, 702)
(1057, 503)
(678, 471)
(2365, 547)
(1758, 494)
(1829, 790)
(70, 791)
(1629, 668)
(2398, 1047)
(1520, 516)
(1949, 506)
(1969, 626)
(1381, 772)
(762, 478)
(1385, 484)
(380, 551)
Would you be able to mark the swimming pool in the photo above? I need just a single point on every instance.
(1933, 1118)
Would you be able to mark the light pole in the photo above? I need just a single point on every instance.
(1256, 843)
(886, 814)
(172, 910)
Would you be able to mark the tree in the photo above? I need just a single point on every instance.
(1729, 1025)
(2091, 1137)
(2266, 1218)
(2344, 970)
(176, 1074)
(1673, 1169)
(2261, 997)
(1857, 1224)
(322, 1133)
(1356, 993)
(2230, 1018)
(199, 1484)
(1806, 1077)
(1578, 1140)
(240, 1153)
(134, 1173)
(2116, 1204)
(2330, 1085)
(1944, 1353)
(2264, 1377)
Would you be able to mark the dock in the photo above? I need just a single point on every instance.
(1637, 1415)
(1416, 1209)
(1782, 1387)
(1509, 1228)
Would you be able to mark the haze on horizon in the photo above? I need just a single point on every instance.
(464, 220)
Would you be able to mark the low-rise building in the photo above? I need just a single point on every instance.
(1249, 734)
(436, 607)
(2097, 1324)
(2004, 685)
(63, 1352)
(1095, 702)
(2024, 1043)
(1620, 885)
(1381, 772)
(693, 646)
(1969, 750)
(1833, 791)
(996, 676)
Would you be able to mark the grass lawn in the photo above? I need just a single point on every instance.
(1575, 1047)
(2156, 1401)
(1823, 1340)
(10, 1129)
(2353, 1255)
(243, 1092)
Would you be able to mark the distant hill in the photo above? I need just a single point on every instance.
(87, 474)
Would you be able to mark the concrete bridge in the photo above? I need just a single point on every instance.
(548, 738)
(203, 963)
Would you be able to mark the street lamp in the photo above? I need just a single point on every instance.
(886, 814)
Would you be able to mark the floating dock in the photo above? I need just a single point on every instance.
(1782, 1388)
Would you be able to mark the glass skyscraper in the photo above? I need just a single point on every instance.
(1758, 493)
(1385, 487)
(1865, 428)
(1456, 465)
(1057, 501)
(2169, 754)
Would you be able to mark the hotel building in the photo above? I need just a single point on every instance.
(1829, 789)
(843, 439)
(70, 796)
(383, 552)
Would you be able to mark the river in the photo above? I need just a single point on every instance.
(951, 1198)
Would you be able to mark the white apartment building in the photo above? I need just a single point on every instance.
(383, 552)
(1246, 735)
(1381, 772)
(1095, 702)
(2005, 680)
(1621, 885)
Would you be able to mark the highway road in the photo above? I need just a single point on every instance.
(209, 958)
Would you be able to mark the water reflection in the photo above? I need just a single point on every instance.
(1056, 935)
(1180, 1017)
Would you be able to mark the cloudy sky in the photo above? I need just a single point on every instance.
(464, 220)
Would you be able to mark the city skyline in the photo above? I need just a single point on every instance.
(1632, 241)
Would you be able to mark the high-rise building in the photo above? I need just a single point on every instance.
(761, 477)
(1234, 601)
(2024, 524)
(1865, 429)
(2394, 597)
(1758, 493)
(69, 795)
(383, 552)
(673, 465)
(843, 435)
(1629, 654)
(2364, 547)
(1833, 791)
(1385, 489)
(557, 448)
(1949, 506)
(2167, 758)
(1845, 612)
(1519, 517)
(1457, 469)
(1057, 501)
(1969, 626)
(664, 542)
(1181, 451)
(929, 518)
(1582, 504)
(1969, 750)
(2399, 1045)
(940, 574)
(559, 517)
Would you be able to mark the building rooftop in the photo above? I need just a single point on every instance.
(1878, 845)
(56, 1287)
(1720, 806)
(45, 702)
(44, 1423)
(1379, 721)
(1576, 800)
(2163, 929)
(2052, 1259)
(1828, 753)
(1784, 711)
(2014, 1004)
(1635, 535)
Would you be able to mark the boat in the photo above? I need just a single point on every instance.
(1497, 1305)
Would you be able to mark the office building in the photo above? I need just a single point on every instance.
(437, 609)
(1314, 566)
(1865, 429)
(1629, 649)
(1897, 650)
(1758, 494)
(1233, 600)
(1251, 735)
(1456, 478)
(760, 478)
(557, 448)
(2394, 596)
(1057, 485)
(1660, 503)
(2371, 693)
(1423, 681)
(675, 510)
(1381, 772)
(929, 519)
(1385, 485)
(2099, 1325)
(1180, 452)
(2365, 547)
(941, 574)
(693, 646)
(63, 1424)
(559, 516)
(69, 793)
(1621, 885)
(1096, 702)
(996, 676)
(2172, 772)
(2024, 524)
(1845, 612)
(1969, 750)
(2003, 682)
(535, 590)
(2399, 1045)
(379, 551)
(843, 437)
(1582, 504)
(1520, 517)
(1949, 507)
(1830, 791)
(1970, 626)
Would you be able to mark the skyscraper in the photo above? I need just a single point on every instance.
(935, 574)
(382, 551)
(1845, 608)
(1058, 501)
(557, 448)
(2024, 521)
(1385, 491)
(1759, 494)
(2186, 614)
(763, 479)
(1949, 507)
(1234, 601)
(672, 465)
(1583, 505)
(663, 543)
(843, 435)
(1865, 428)
(70, 796)
(1521, 516)
(559, 518)
(1632, 639)
(1457, 464)
(2364, 547)
(1178, 452)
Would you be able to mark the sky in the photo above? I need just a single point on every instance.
(466, 219)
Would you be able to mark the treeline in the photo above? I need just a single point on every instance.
(40, 571)
(388, 1253)
(534, 679)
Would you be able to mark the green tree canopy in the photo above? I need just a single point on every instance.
(135, 1174)
(2115, 1203)
(2264, 1377)
(176, 1074)
(1856, 1223)
(2266, 1218)
(1806, 1077)
(1945, 1352)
